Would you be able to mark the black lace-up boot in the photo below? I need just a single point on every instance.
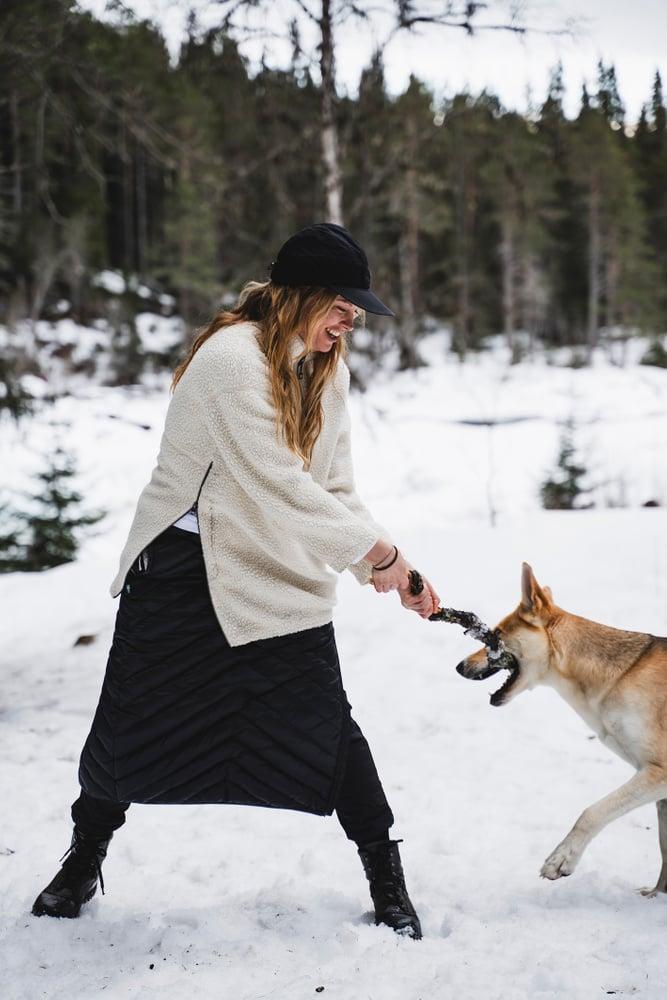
(76, 882)
(384, 871)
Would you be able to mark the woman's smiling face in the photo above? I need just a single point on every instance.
(338, 321)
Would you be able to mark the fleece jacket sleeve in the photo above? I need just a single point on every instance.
(340, 484)
(242, 424)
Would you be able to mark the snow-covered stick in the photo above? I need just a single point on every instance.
(472, 626)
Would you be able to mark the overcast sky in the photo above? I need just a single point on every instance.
(630, 33)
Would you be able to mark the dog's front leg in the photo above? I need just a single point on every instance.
(661, 884)
(647, 785)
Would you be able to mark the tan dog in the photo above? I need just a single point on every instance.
(615, 680)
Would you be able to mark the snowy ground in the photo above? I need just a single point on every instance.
(255, 904)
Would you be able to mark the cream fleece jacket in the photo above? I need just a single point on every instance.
(269, 529)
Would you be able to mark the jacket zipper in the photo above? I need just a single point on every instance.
(196, 500)
(143, 555)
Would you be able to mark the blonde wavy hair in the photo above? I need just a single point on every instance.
(280, 312)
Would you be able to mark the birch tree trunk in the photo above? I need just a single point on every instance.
(332, 177)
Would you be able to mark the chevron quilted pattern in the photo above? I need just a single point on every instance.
(185, 717)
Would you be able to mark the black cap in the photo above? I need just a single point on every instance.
(326, 254)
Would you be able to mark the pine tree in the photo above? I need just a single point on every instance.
(14, 400)
(520, 178)
(191, 261)
(564, 489)
(564, 286)
(585, 98)
(473, 296)
(12, 555)
(50, 531)
(649, 148)
(80, 149)
(413, 110)
(617, 266)
(655, 354)
(658, 110)
(552, 115)
(608, 99)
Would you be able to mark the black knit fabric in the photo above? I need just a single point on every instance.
(184, 717)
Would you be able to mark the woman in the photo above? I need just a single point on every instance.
(223, 682)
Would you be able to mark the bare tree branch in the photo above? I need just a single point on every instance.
(349, 8)
(306, 10)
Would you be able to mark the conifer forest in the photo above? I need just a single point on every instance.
(186, 176)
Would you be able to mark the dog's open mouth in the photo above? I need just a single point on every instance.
(511, 665)
(498, 697)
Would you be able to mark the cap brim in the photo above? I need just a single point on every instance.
(364, 298)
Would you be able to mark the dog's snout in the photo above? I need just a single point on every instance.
(473, 670)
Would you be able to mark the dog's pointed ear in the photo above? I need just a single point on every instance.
(533, 597)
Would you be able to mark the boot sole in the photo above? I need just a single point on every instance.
(407, 930)
(41, 910)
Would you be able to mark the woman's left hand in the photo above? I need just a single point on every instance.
(424, 603)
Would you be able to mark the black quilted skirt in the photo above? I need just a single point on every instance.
(185, 717)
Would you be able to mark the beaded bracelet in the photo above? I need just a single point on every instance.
(389, 563)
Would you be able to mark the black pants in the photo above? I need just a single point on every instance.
(361, 807)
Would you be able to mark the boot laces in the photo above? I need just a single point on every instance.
(81, 860)
(389, 878)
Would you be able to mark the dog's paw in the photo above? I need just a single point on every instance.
(560, 862)
(658, 890)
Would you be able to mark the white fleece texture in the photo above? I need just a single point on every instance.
(269, 529)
